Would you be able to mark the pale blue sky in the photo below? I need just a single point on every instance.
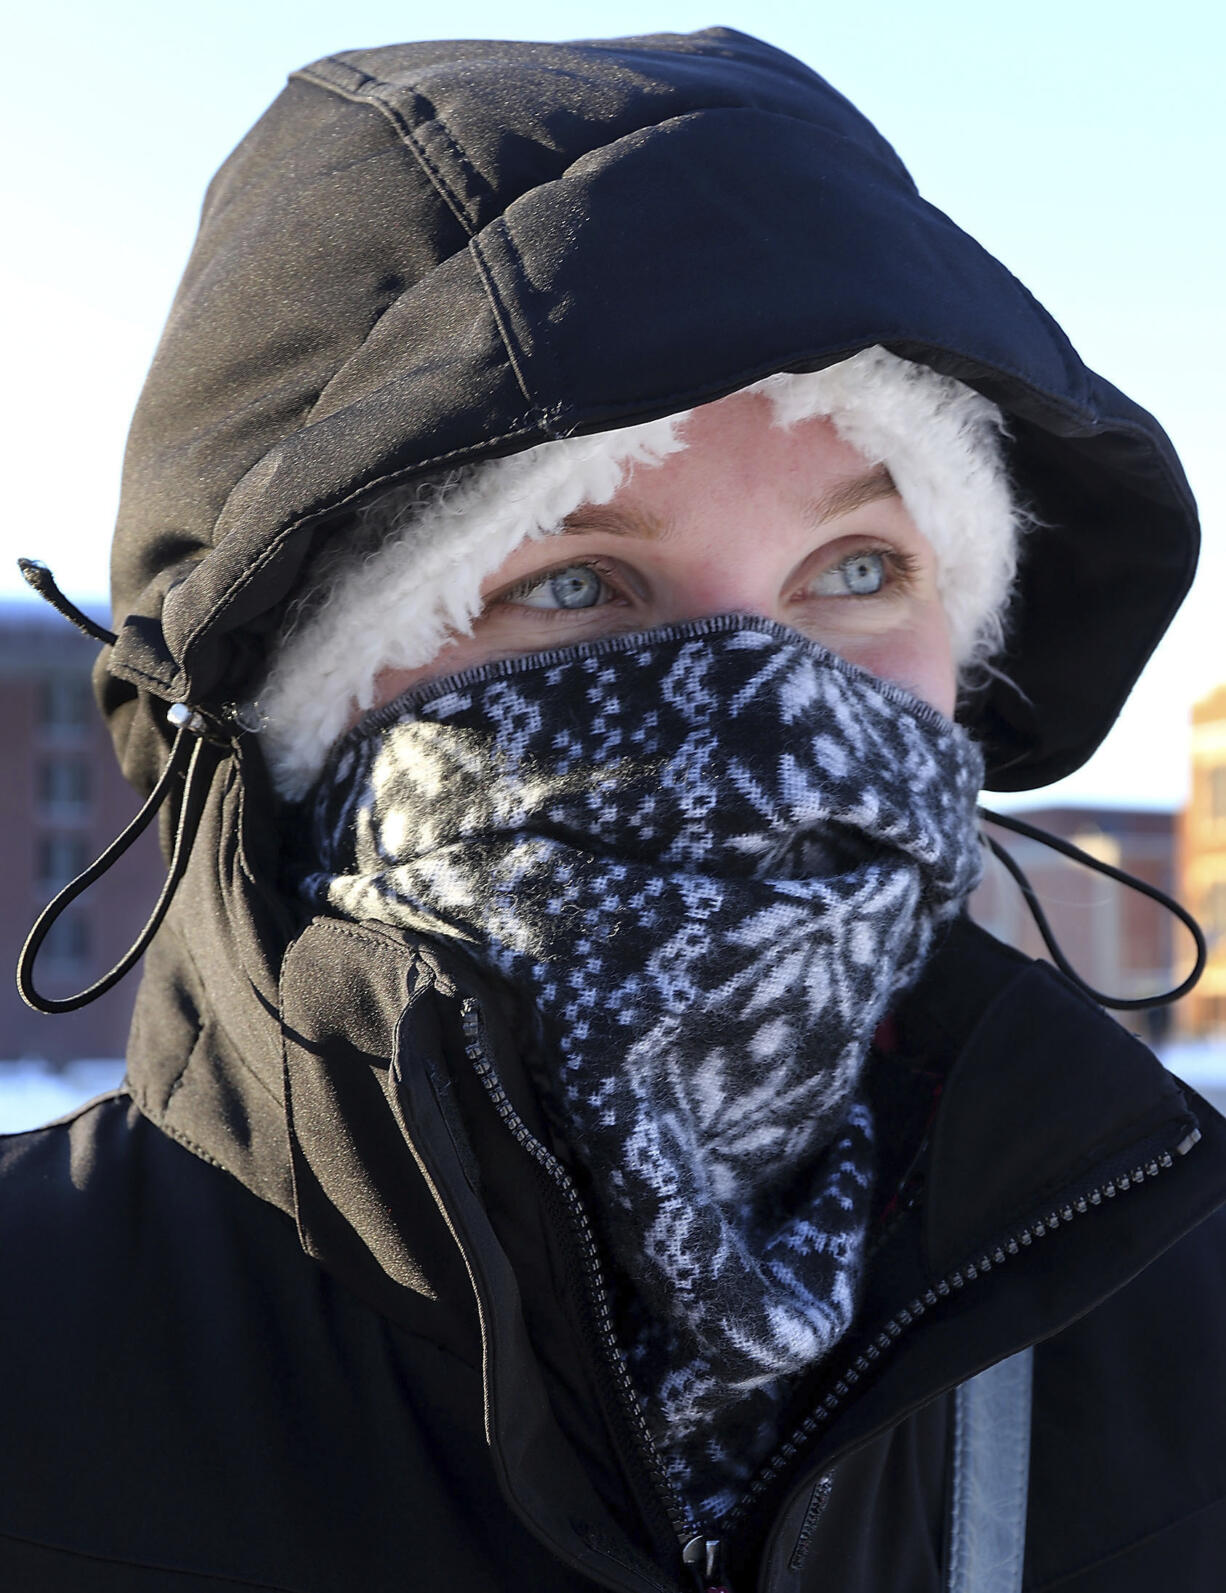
(1082, 142)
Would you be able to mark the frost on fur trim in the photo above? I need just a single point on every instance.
(395, 608)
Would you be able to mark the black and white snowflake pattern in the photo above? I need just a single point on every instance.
(710, 856)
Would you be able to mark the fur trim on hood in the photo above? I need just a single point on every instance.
(395, 609)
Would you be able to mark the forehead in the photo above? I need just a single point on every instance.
(735, 455)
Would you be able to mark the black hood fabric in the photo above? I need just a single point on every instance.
(434, 253)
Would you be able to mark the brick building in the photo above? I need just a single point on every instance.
(62, 799)
(1203, 860)
(1118, 940)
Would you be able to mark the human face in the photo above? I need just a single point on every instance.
(790, 524)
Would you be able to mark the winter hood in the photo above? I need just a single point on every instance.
(432, 253)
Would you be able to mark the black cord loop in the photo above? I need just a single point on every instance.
(36, 575)
(1067, 849)
(190, 752)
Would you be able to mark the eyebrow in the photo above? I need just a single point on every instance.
(854, 494)
(616, 522)
(839, 500)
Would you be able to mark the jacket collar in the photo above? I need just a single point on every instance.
(1061, 1160)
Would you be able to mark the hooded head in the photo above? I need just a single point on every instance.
(511, 268)
(474, 264)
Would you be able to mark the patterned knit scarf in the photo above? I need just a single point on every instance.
(709, 856)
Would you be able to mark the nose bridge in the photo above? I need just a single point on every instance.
(729, 580)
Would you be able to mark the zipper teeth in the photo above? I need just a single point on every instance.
(475, 1050)
(1018, 1241)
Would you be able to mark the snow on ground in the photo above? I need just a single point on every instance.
(32, 1092)
(1202, 1064)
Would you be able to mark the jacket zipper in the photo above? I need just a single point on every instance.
(895, 1329)
(701, 1555)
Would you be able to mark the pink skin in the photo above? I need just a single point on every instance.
(743, 520)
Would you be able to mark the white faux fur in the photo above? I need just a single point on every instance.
(394, 610)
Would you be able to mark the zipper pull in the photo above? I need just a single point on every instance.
(703, 1556)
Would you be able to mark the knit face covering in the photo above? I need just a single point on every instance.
(708, 857)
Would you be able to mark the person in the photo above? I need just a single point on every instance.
(594, 529)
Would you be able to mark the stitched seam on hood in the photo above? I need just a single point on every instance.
(502, 318)
(273, 550)
(370, 93)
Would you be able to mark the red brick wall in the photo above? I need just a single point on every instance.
(37, 647)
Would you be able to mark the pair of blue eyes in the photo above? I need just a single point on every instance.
(579, 586)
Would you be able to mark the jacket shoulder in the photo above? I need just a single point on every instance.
(109, 1230)
(164, 1338)
(81, 1179)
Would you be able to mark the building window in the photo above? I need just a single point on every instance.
(67, 940)
(64, 783)
(1217, 791)
(65, 703)
(1215, 911)
(60, 859)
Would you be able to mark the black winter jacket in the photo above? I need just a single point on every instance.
(393, 1372)
(310, 1305)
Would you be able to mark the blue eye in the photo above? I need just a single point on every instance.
(864, 573)
(576, 586)
(861, 575)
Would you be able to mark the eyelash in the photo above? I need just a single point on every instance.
(903, 568)
(531, 583)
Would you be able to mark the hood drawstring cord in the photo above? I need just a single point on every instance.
(191, 751)
(197, 746)
(36, 574)
(1067, 849)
